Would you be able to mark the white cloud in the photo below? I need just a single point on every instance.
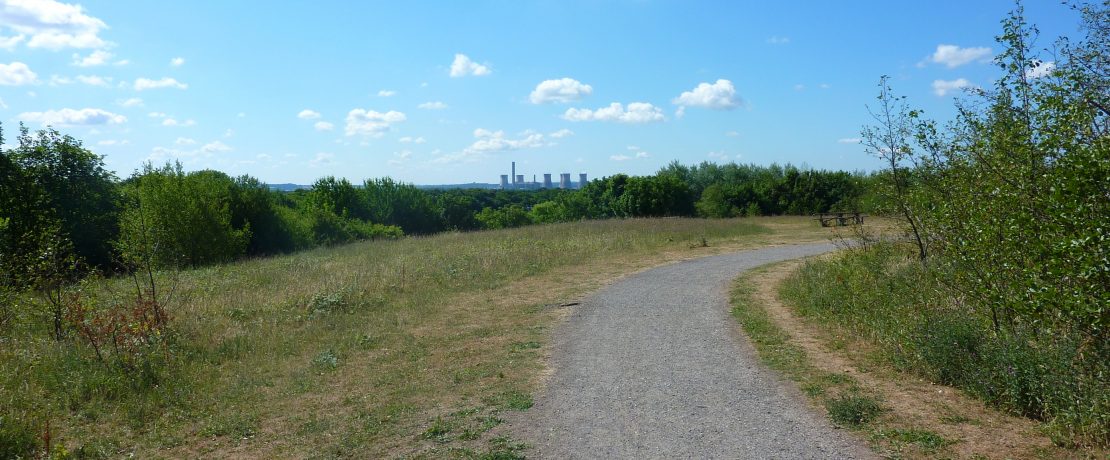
(72, 117)
(156, 114)
(322, 158)
(308, 114)
(131, 102)
(777, 40)
(849, 140)
(411, 140)
(400, 157)
(229, 132)
(435, 105)
(720, 95)
(96, 58)
(2, 104)
(165, 82)
(943, 87)
(184, 141)
(177, 61)
(16, 74)
(371, 123)
(562, 90)
(561, 133)
(173, 122)
(56, 80)
(953, 56)
(495, 141)
(643, 155)
(52, 24)
(638, 112)
(620, 157)
(323, 126)
(9, 43)
(386, 93)
(1041, 69)
(93, 80)
(463, 66)
(215, 146)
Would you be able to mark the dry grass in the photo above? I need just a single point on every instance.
(378, 349)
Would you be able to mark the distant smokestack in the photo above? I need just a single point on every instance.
(581, 180)
(547, 180)
(520, 179)
(564, 180)
(514, 173)
(504, 181)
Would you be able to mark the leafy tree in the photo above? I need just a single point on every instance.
(403, 205)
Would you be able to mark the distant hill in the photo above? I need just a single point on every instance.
(288, 187)
(459, 186)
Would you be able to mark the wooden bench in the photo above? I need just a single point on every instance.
(839, 219)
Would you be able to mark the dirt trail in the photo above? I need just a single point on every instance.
(653, 366)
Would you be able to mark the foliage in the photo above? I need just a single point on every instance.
(511, 216)
(177, 219)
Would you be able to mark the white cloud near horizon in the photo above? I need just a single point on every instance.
(17, 74)
(720, 95)
(463, 66)
(51, 24)
(432, 105)
(308, 114)
(371, 123)
(849, 140)
(953, 56)
(561, 133)
(96, 58)
(943, 87)
(562, 90)
(142, 84)
(74, 117)
(637, 112)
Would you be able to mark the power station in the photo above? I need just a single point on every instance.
(514, 181)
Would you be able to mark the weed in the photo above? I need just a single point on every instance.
(853, 410)
(326, 359)
(927, 441)
(438, 430)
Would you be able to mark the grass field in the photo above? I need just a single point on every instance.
(408, 348)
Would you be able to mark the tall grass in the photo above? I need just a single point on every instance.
(332, 351)
(882, 294)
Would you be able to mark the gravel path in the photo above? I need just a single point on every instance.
(654, 366)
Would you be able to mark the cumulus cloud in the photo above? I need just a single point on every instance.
(434, 105)
(943, 87)
(177, 61)
(131, 102)
(96, 58)
(562, 90)
(52, 24)
(9, 43)
(463, 66)
(322, 158)
(953, 56)
(1040, 69)
(371, 123)
(495, 141)
(93, 80)
(184, 141)
(323, 126)
(720, 96)
(561, 133)
(173, 122)
(411, 140)
(16, 74)
(386, 93)
(215, 146)
(308, 114)
(74, 117)
(637, 112)
(142, 84)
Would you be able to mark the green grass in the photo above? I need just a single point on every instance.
(921, 327)
(378, 339)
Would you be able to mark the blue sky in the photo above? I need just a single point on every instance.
(451, 92)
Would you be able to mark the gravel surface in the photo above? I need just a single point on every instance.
(654, 366)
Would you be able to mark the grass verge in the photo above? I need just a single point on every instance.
(845, 374)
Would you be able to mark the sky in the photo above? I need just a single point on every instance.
(451, 92)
